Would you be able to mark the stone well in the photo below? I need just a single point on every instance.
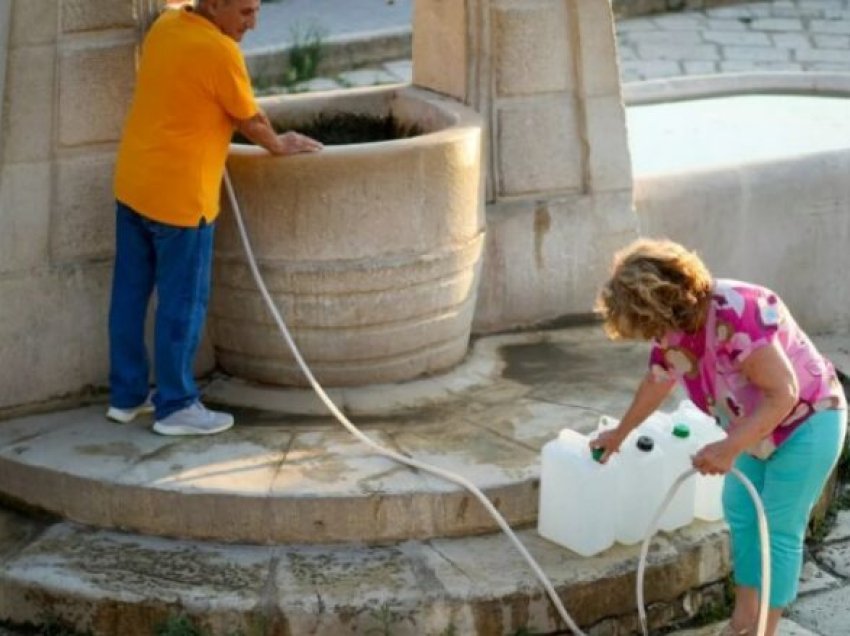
(371, 251)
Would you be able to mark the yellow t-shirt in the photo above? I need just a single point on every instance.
(192, 83)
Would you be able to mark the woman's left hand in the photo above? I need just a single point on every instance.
(716, 458)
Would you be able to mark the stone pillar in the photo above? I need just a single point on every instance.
(544, 75)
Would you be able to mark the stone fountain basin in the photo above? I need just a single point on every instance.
(751, 170)
(371, 251)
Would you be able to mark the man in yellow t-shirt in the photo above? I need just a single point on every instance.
(192, 90)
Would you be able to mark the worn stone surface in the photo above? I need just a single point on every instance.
(447, 24)
(291, 478)
(532, 247)
(119, 583)
(530, 162)
(28, 126)
(841, 529)
(523, 67)
(33, 22)
(82, 91)
(825, 613)
(90, 15)
(814, 578)
(83, 224)
(54, 343)
(836, 557)
(25, 206)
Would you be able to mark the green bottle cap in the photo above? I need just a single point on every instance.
(681, 430)
(597, 454)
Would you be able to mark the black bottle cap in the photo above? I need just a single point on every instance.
(645, 443)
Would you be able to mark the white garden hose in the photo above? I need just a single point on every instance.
(444, 474)
(462, 481)
(764, 542)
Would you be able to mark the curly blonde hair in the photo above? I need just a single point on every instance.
(656, 286)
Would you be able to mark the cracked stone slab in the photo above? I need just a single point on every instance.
(827, 613)
(836, 557)
(90, 578)
(813, 579)
(840, 530)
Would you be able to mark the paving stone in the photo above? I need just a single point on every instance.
(366, 77)
(777, 24)
(318, 84)
(832, 41)
(836, 557)
(736, 38)
(830, 26)
(402, 69)
(674, 39)
(791, 40)
(680, 22)
(651, 69)
(738, 66)
(727, 24)
(815, 579)
(671, 52)
(841, 529)
(827, 613)
(755, 54)
(700, 68)
(822, 55)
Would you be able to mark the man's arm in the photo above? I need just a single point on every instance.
(259, 130)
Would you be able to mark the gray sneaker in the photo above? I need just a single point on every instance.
(195, 419)
(125, 416)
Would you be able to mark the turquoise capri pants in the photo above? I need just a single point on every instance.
(789, 483)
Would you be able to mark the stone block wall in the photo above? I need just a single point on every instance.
(69, 74)
(544, 74)
(69, 77)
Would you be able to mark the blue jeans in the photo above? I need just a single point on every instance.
(177, 262)
(789, 483)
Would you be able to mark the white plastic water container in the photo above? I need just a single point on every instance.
(641, 488)
(708, 496)
(658, 425)
(679, 445)
(577, 495)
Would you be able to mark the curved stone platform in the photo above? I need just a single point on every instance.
(297, 472)
(109, 583)
(280, 477)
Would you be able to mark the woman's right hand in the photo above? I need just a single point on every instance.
(609, 442)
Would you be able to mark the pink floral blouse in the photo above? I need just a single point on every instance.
(742, 318)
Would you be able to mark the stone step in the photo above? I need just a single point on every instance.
(108, 583)
(281, 477)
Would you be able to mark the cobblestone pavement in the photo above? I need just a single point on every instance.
(786, 35)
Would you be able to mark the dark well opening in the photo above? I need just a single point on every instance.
(340, 129)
